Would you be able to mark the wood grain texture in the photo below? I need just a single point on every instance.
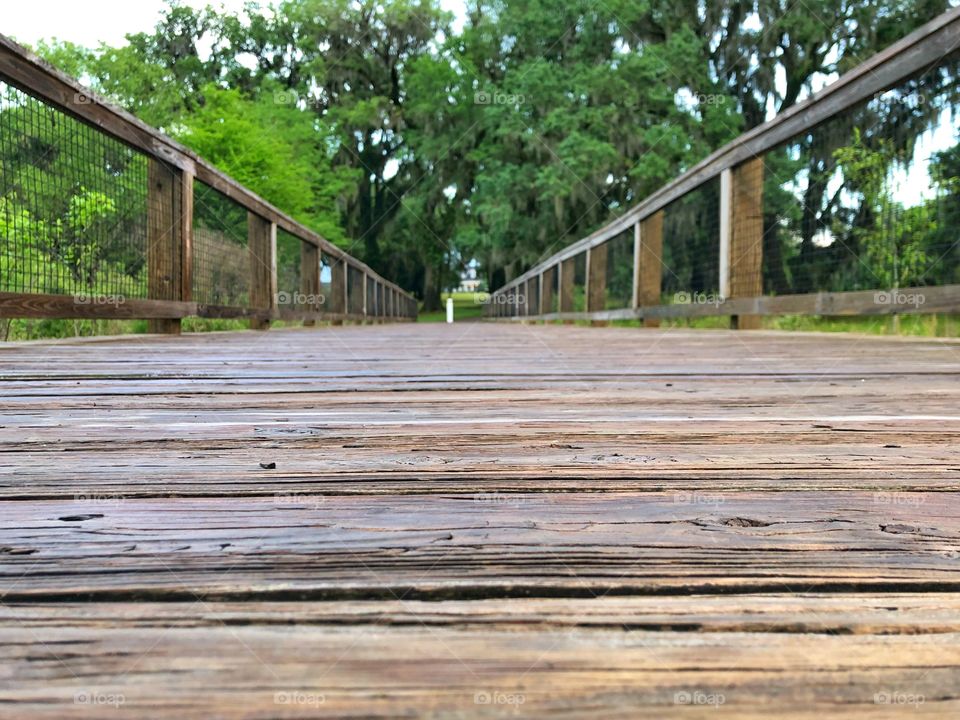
(480, 520)
(746, 240)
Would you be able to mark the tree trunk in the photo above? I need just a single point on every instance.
(431, 289)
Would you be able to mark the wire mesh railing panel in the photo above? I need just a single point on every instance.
(371, 306)
(552, 279)
(691, 246)
(290, 294)
(533, 295)
(355, 292)
(73, 205)
(580, 282)
(869, 199)
(221, 262)
(619, 271)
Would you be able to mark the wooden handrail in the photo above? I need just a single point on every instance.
(921, 49)
(28, 72)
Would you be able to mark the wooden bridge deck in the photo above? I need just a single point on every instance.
(480, 520)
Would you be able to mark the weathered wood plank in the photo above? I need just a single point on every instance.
(146, 663)
(396, 521)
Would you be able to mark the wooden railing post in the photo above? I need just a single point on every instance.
(337, 302)
(597, 280)
(164, 240)
(185, 212)
(746, 237)
(262, 246)
(365, 296)
(567, 277)
(649, 278)
(310, 278)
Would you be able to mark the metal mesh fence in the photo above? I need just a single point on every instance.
(73, 205)
(869, 200)
(691, 246)
(371, 297)
(355, 295)
(619, 271)
(289, 289)
(580, 282)
(221, 263)
(551, 281)
(533, 295)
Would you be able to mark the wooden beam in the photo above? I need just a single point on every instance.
(114, 307)
(185, 212)
(164, 251)
(567, 278)
(746, 237)
(262, 246)
(913, 301)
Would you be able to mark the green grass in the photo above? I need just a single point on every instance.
(947, 326)
(33, 329)
(466, 306)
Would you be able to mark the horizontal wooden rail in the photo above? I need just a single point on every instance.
(918, 51)
(22, 69)
(941, 298)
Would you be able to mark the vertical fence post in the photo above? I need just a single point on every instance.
(635, 289)
(649, 272)
(164, 241)
(567, 277)
(337, 302)
(262, 247)
(746, 239)
(310, 278)
(597, 280)
(364, 296)
(186, 236)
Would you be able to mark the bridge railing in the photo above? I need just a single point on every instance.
(846, 204)
(102, 216)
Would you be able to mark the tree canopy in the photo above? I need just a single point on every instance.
(420, 142)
